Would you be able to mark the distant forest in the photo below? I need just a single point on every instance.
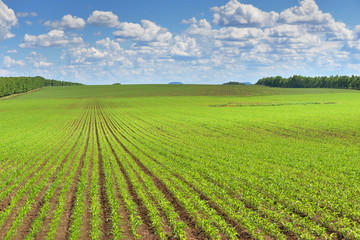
(13, 85)
(344, 82)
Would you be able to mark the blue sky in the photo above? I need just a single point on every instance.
(203, 41)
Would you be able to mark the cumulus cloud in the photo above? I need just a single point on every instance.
(107, 53)
(54, 38)
(7, 20)
(129, 30)
(185, 47)
(103, 19)
(9, 62)
(307, 12)
(27, 14)
(67, 22)
(109, 44)
(336, 31)
(85, 55)
(239, 34)
(148, 31)
(38, 60)
(235, 13)
(201, 27)
(309, 15)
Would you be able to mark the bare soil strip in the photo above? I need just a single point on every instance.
(7, 199)
(74, 187)
(86, 226)
(123, 212)
(53, 201)
(185, 217)
(165, 227)
(38, 200)
(243, 234)
(146, 231)
(107, 223)
(65, 218)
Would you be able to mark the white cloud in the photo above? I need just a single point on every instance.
(108, 53)
(26, 14)
(285, 31)
(43, 64)
(28, 22)
(185, 47)
(308, 12)
(146, 32)
(38, 60)
(338, 31)
(109, 45)
(201, 27)
(54, 38)
(357, 32)
(85, 55)
(67, 22)
(7, 20)
(9, 62)
(103, 19)
(235, 13)
(129, 30)
(239, 34)
(12, 51)
(309, 15)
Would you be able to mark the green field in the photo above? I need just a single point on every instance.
(180, 162)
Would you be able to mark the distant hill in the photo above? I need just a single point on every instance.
(175, 83)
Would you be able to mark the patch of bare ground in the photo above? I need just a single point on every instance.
(86, 226)
(70, 200)
(54, 200)
(39, 200)
(74, 187)
(122, 211)
(165, 226)
(193, 233)
(106, 213)
(243, 234)
(6, 201)
(146, 231)
(125, 223)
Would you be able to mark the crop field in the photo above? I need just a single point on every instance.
(180, 162)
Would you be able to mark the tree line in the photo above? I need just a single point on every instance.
(296, 81)
(13, 85)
